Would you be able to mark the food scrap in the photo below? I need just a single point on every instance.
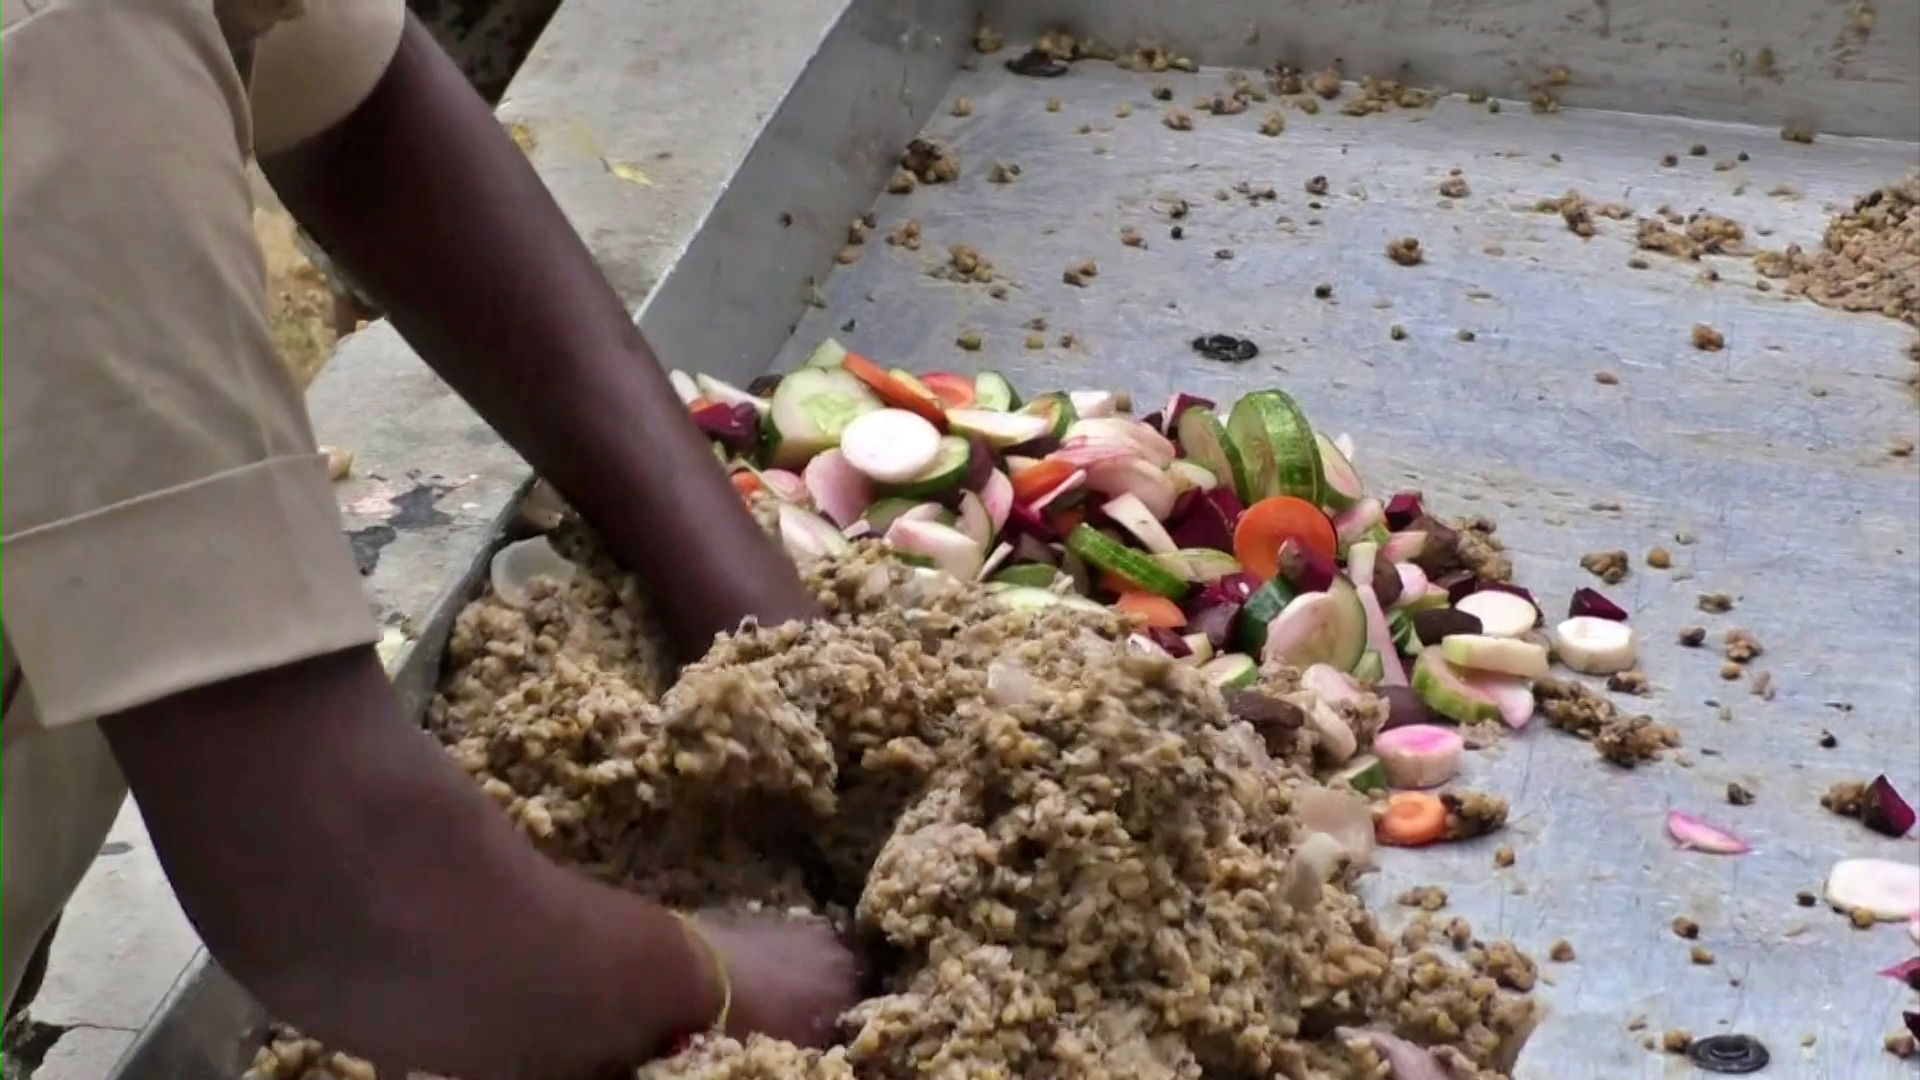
(1707, 339)
(1406, 251)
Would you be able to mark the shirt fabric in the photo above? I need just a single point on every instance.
(168, 522)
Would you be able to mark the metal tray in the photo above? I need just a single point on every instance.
(1769, 454)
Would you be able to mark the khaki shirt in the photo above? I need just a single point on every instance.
(168, 522)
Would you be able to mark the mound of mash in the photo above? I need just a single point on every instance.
(1062, 859)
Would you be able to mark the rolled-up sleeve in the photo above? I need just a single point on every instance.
(311, 71)
(168, 523)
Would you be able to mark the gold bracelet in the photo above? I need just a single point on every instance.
(719, 962)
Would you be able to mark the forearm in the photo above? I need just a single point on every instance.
(433, 210)
(366, 891)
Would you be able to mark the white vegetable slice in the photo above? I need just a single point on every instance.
(684, 386)
(1342, 814)
(1501, 614)
(1329, 683)
(515, 568)
(1594, 646)
(1001, 553)
(1419, 755)
(1185, 474)
(1132, 515)
(785, 484)
(729, 394)
(947, 549)
(838, 489)
(807, 536)
(999, 429)
(1508, 656)
(1146, 442)
(1139, 478)
(1887, 889)
(997, 496)
(890, 445)
(1093, 404)
(972, 520)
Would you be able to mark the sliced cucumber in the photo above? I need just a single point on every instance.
(882, 514)
(1320, 628)
(949, 468)
(1264, 606)
(1123, 562)
(999, 429)
(1028, 575)
(1405, 638)
(1026, 597)
(1206, 443)
(1505, 656)
(1277, 445)
(728, 394)
(1198, 564)
(1234, 671)
(1446, 691)
(991, 390)
(1056, 408)
(827, 355)
(810, 410)
(1364, 774)
(1370, 667)
(1342, 487)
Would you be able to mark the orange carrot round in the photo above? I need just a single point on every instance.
(1155, 611)
(1271, 522)
(892, 391)
(954, 391)
(1413, 819)
(1039, 478)
(747, 483)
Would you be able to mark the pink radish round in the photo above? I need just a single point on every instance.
(784, 484)
(946, 548)
(838, 489)
(1419, 755)
(1137, 477)
(1512, 695)
(890, 445)
(997, 495)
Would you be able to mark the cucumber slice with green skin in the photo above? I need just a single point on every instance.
(1206, 443)
(884, 512)
(949, 468)
(1264, 606)
(1199, 564)
(1370, 667)
(1028, 575)
(1320, 628)
(1055, 407)
(827, 355)
(991, 390)
(999, 429)
(1277, 445)
(810, 410)
(1445, 690)
(1342, 486)
(1123, 562)
(1504, 656)
(1234, 671)
(1405, 638)
(1364, 774)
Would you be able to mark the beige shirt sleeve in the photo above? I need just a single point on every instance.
(167, 522)
(312, 70)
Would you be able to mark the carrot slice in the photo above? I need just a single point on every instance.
(747, 483)
(1156, 611)
(1271, 522)
(1413, 818)
(1117, 585)
(1038, 479)
(698, 403)
(1065, 521)
(954, 391)
(892, 390)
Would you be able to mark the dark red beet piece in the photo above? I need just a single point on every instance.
(1205, 525)
(1594, 604)
(1459, 583)
(763, 386)
(1023, 521)
(737, 426)
(1225, 501)
(1214, 620)
(1441, 554)
(1184, 503)
(1405, 707)
(1403, 510)
(1233, 589)
(1175, 646)
(1907, 972)
(980, 464)
(1181, 403)
(1306, 570)
(1435, 624)
(1885, 811)
(1035, 448)
(1386, 583)
(1913, 1022)
(1157, 420)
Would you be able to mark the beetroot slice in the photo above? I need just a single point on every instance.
(1457, 584)
(1404, 707)
(1403, 510)
(1181, 403)
(1913, 1022)
(1208, 521)
(1157, 420)
(736, 426)
(1590, 602)
(1907, 972)
(1229, 590)
(1305, 569)
(1023, 520)
(1173, 643)
(1885, 811)
(1214, 620)
(980, 464)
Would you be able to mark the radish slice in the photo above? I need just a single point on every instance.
(807, 535)
(1353, 525)
(1329, 683)
(1315, 859)
(997, 495)
(1343, 442)
(859, 530)
(1139, 478)
(890, 445)
(684, 386)
(515, 567)
(1093, 404)
(1913, 927)
(1340, 813)
(1404, 547)
(838, 489)
(784, 484)
(1512, 695)
(1086, 452)
(1188, 476)
(1001, 553)
(1505, 656)
(1029, 548)
(1132, 515)
(1071, 483)
(1149, 443)
(1889, 890)
(948, 549)
(1692, 834)
(1594, 646)
(974, 521)
(1413, 580)
(1380, 637)
(999, 429)
(1419, 755)
(1501, 614)
(922, 512)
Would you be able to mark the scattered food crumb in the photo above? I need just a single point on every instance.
(1629, 682)
(1177, 233)
(1805, 898)
(1731, 671)
(1609, 566)
(1862, 919)
(1637, 263)
(1464, 335)
(1503, 856)
(931, 161)
(1670, 160)
(1676, 1040)
(1178, 120)
(1809, 1039)
(1317, 185)
(1561, 952)
(968, 340)
(1800, 131)
(1686, 927)
(1406, 251)
(962, 106)
(848, 255)
(1273, 123)
(1606, 378)
(1397, 332)
(1707, 339)
(1322, 291)
(1900, 448)
(1827, 740)
(1036, 341)
(1455, 186)
(1698, 150)
(1714, 603)
(1425, 897)
(1741, 646)
(1123, 110)
(1724, 165)
(1459, 932)
(1223, 253)
(1472, 813)
(1131, 237)
(1739, 794)
(1659, 558)
(1003, 172)
(1700, 954)
(1080, 273)
(339, 462)
(1161, 93)
(902, 183)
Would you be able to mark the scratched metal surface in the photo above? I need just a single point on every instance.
(1771, 452)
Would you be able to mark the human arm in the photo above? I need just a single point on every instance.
(426, 202)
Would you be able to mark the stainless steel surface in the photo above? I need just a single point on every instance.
(206, 1029)
(1770, 452)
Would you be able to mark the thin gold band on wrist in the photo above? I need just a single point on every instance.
(719, 963)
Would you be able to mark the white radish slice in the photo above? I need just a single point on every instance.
(1512, 695)
(949, 550)
(515, 567)
(1419, 755)
(1413, 581)
(784, 484)
(999, 429)
(1506, 656)
(1354, 523)
(1017, 464)
(808, 536)
(859, 530)
(1187, 476)
(1001, 553)
(1150, 444)
(997, 496)
(1144, 645)
(1132, 515)
(1086, 451)
(1501, 614)
(890, 445)
(1380, 637)
(1329, 683)
(1343, 442)
(728, 394)
(684, 386)
(1337, 743)
(923, 512)
(1594, 646)
(1889, 890)
(1315, 859)
(841, 491)
(1403, 547)
(1139, 478)
(1340, 813)
(1093, 404)
(974, 521)
(1071, 483)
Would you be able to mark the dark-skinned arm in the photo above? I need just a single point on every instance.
(425, 201)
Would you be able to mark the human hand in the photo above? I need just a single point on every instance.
(791, 980)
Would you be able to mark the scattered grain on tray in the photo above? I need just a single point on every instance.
(1003, 172)
(1899, 448)
(1847, 798)
(986, 39)
(1068, 340)
(1131, 237)
(1053, 104)
(1473, 813)
(1322, 291)
(1731, 671)
(1741, 646)
(931, 161)
(1425, 897)
(1455, 186)
(1397, 332)
(1606, 378)
(1698, 150)
(1868, 258)
(1701, 955)
(848, 255)
(1739, 794)
(1707, 339)
(901, 183)
(1317, 185)
(965, 263)
(1223, 253)
(905, 235)
(1685, 927)
(1714, 603)
(1464, 335)
(1800, 131)
(1621, 738)
(860, 228)
(998, 291)
(1827, 740)
(1161, 93)
(968, 340)
(1901, 1044)
(1178, 120)
(1561, 952)
(339, 462)
(1036, 341)
(1503, 856)
(1406, 251)
(1609, 566)
(1273, 123)
(1176, 233)
(1629, 682)
(1670, 160)
(1080, 273)
(962, 106)
(1676, 1040)
(1862, 919)
(1659, 558)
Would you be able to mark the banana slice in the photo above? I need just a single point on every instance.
(1594, 646)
